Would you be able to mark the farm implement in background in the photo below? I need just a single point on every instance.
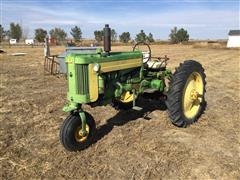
(55, 64)
(121, 78)
(51, 65)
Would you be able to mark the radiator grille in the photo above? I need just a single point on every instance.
(82, 79)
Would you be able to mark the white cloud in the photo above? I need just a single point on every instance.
(190, 18)
(195, 19)
(55, 22)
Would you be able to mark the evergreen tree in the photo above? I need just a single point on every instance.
(98, 35)
(141, 37)
(76, 33)
(178, 36)
(150, 38)
(125, 37)
(40, 34)
(2, 33)
(113, 35)
(58, 33)
(15, 31)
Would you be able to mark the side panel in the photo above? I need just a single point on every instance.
(108, 67)
(119, 65)
(71, 79)
(93, 83)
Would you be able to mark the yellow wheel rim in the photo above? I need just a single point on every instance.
(126, 97)
(192, 95)
(79, 137)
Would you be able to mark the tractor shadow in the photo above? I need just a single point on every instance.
(125, 116)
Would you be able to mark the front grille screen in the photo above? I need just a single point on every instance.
(82, 79)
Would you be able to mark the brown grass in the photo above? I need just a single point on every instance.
(210, 45)
(127, 146)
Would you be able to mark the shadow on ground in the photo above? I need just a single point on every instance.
(125, 116)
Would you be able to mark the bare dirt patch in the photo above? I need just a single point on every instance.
(127, 145)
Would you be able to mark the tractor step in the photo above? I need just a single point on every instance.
(137, 108)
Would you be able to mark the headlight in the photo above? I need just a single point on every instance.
(96, 67)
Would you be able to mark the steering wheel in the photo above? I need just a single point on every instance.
(144, 48)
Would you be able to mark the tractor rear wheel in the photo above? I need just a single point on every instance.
(185, 97)
(71, 135)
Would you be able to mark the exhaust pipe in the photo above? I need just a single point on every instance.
(107, 39)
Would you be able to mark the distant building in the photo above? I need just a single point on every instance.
(233, 39)
(13, 41)
(29, 41)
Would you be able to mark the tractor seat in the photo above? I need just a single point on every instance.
(153, 64)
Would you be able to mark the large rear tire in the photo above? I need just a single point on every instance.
(186, 94)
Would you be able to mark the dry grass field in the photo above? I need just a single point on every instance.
(127, 145)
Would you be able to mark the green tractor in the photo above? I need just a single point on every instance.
(121, 78)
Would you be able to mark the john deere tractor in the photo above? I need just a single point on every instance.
(121, 78)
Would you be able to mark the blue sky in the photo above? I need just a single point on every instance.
(203, 19)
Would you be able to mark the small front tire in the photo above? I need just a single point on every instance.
(70, 132)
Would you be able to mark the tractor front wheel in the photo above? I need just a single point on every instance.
(71, 135)
(186, 94)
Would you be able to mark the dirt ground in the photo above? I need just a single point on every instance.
(128, 144)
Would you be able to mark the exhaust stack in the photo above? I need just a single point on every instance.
(107, 39)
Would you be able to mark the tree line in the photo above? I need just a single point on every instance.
(16, 32)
